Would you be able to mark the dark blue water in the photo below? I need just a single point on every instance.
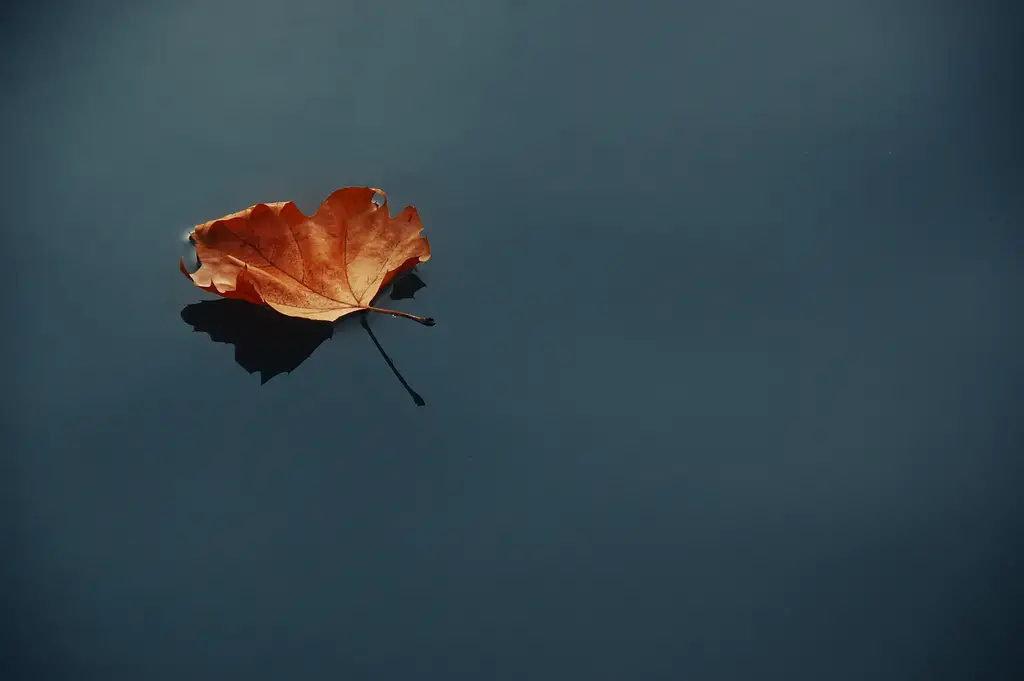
(725, 381)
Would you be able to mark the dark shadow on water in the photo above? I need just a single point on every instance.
(412, 393)
(406, 286)
(269, 342)
(265, 340)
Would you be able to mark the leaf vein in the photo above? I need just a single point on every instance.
(286, 273)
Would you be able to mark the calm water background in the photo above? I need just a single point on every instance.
(724, 383)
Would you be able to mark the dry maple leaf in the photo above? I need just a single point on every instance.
(321, 267)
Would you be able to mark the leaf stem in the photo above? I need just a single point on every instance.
(426, 321)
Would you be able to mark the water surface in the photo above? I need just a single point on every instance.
(723, 384)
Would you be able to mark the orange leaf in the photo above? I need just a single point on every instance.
(321, 267)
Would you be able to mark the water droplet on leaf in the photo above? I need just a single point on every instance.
(188, 252)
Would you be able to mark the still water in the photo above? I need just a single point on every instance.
(723, 383)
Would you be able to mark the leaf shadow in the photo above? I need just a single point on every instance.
(265, 341)
(272, 343)
(406, 286)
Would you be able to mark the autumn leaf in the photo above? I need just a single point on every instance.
(321, 267)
